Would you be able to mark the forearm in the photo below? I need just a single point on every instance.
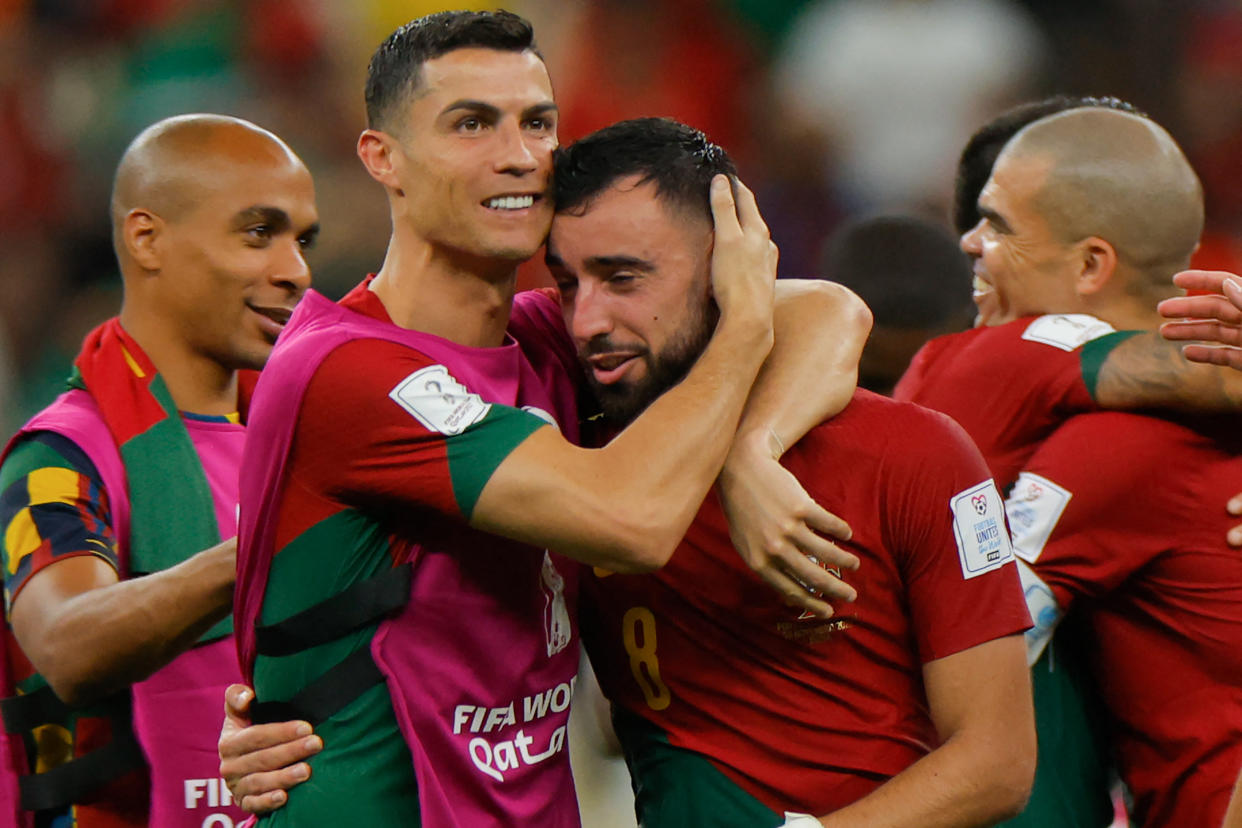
(1233, 815)
(810, 375)
(1147, 371)
(91, 642)
(965, 782)
(626, 506)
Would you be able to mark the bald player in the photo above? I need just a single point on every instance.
(1085, 218)
(134, 472)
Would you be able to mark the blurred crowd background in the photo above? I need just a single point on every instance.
(837, 110)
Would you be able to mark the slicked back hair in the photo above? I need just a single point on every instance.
(974, 167)
(395, 68)
(680, 160)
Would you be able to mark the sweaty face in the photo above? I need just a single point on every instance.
(234, 263)
(474, 157)
(634, 277)
(1020, 267)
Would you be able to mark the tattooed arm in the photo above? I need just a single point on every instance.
(1147, 371)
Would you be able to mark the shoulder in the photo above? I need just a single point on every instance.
(360, 366)
(37, 450)
(1142, 454)
(895, 433)
(538, 304)
(1139, 440)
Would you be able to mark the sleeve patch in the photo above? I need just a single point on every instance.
(1034, 507)
(438, 401)
(1045, 613)
(979, 529)
(1066, 331)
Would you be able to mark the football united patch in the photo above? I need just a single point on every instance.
(979, 528)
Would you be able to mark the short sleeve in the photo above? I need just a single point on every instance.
(949, 535)
(53, 506)
(1009, 386)
(403, 432)
(1084, 533)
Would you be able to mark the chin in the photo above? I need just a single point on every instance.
(252, 357)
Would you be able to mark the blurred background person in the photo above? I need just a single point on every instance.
(915, 279)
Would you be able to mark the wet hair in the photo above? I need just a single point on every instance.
(395, 68)
(974, 167)
(680, 160)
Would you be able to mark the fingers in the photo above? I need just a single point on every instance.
(260, 804)
(826, 523)
(815, 578)
(748, 215)
(1225, 355)
(1209, 280)
(1212, 306)
(258, 793)
(724, 210)
(794, 593)
(260, 762)
(237, 698)
(1205, 330)
(267, 747)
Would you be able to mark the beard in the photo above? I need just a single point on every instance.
(624, 400)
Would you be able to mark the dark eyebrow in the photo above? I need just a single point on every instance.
(995, 219)
(606, 263)
(545, 108)
(492, 112)
(277, 218)
(602, 264)
(477, 107)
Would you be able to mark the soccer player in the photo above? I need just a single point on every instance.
(911, 706)
(1125, 370)
(698, 655)
(1091, 211)
(435, 650)
(134, 471)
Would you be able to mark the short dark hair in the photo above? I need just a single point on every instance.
(908, 270)
(974, 167)
(395, 67)
(679, 159)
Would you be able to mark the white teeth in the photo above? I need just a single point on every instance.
(981, 286)
(511, 202)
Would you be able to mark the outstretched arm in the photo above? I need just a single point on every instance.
(1148, 371)
(810, 375)
(1212, 318)
(91, 634)
(980, 701)
(626, 506)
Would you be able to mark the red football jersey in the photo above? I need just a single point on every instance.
(781, 705)
(1010, 385)
(1124, 515)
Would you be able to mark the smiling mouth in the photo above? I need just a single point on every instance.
(608, 368)
(278, 315)
(980, 286)
(511, 202)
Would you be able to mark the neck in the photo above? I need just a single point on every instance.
(1128, 312)
(197, 383)
(460, 298)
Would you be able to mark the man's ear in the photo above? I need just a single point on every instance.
(376, 150)
(1097, 264)
(142, 233)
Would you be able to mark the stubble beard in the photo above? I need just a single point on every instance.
(622, 402)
